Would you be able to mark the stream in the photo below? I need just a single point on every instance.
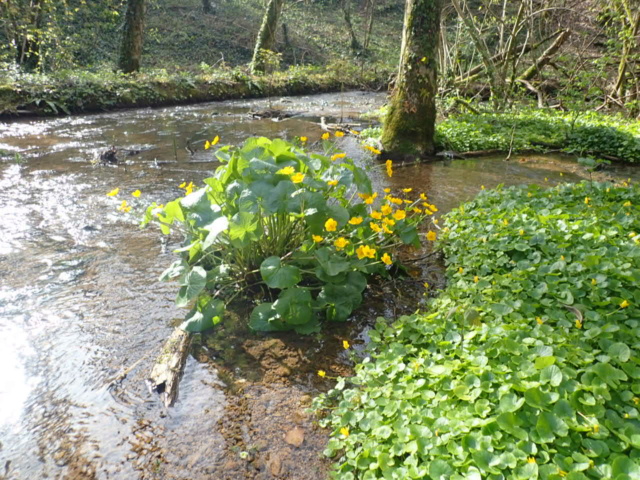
(83, 315)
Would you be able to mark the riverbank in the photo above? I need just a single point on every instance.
(85, 92)
(526, 365)
(609, 137)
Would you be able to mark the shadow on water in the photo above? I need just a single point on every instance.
(82, 315)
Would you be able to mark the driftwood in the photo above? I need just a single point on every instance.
(165, 375)
(338, 127)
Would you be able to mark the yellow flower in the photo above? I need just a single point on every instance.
(407, 201)
(317, 238)
(460, 270)
(561, 174)
(562, 257)
(188, 188)
(354, 132)
(297, 177)
(407, 190)
(587, 200)
(344, 431)
(330, 225)
(373, 150)
(337, 156)
(431, 236)
(529, 194)
(376, 215)
(136, 193)
(388, 221)
(594, 281)
(386, 209)
(476, 279)
(356, 221)
(113, 192)
(539, 321)
(395, 200)
(332, 183)
(303, 139)
(322, 373)
(215, 140)
(368, 199)
(596, 428)
(386, 259)
(626, 204)
(207, 145)
(426, 285)
(416, 210)
(365, 251)
(400, 215)
(521, 232)
(578, 323)
(389, 165)
(386, 229)
(546, 179)
(345, 344)
(375, 227)
(286, 171)
(340, 243)
(624, 304)
(505, 222)
(339, 134)
(428, 212)
(325, 136)
(531, 460)
(435, 220)
(423, 196)
(481, 187)
(387, 190)
(124, 207)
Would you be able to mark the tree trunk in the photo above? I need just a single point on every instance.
(410, 122)
(28, 41)
(267, 35)
(206, 7)
(131, 48)
(367, 34)
(346, 10)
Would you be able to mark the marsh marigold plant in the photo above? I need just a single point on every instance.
(303, 230)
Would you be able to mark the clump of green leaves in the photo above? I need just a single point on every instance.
(299, 233)
(541, 130)
(527, 365)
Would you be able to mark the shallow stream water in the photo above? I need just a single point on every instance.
(83, 316)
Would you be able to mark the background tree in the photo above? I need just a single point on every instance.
(409, 125)
(267, 35)
(132, 37)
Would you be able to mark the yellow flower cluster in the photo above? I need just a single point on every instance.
(208, 144)
(188, 187)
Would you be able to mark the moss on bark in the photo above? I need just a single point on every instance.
(131, 47)
(410, 122)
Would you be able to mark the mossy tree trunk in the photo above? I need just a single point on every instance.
(410, 122)
(267, 35)
(131, 47)
(206, 7)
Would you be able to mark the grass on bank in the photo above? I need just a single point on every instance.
(526, 366)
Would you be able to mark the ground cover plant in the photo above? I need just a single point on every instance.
(298, 233)
(528, 363)
(582, 133)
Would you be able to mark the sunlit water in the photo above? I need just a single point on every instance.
(80, 302)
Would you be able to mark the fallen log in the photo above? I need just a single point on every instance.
(167, 370)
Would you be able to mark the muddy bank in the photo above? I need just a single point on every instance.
(95, 93)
